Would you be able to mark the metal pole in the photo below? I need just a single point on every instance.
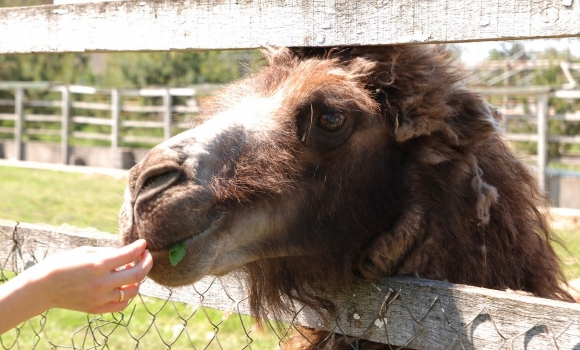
(65, 113)
(542, 140)
(19, 122)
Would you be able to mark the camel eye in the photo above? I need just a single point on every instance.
(331, 121)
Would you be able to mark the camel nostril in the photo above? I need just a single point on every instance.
(156, 180)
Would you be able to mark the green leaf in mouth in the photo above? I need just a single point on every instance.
(176, 253)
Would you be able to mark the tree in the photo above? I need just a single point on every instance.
(174, 68)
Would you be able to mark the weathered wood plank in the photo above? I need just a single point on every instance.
(44, 132)
(230, 24)
(142, 139)
(142, 109)
(91, 105)
(43, 118)
(142, 124)
(421, 314)
(91, 120)
(91, 135)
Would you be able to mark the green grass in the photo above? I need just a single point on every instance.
(56, 198)
(569, 252)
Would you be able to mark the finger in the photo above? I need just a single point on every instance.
(127, 266)
(124, 255)
(134, 274)
(131, 291)
(109, 307)
(121, 295)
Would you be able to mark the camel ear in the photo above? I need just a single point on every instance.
(421, 93)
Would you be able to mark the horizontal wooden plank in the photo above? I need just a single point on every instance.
(142, 109)
(231, 24)
(570, 117)
(43, 118)
(87, 90)
(201, 89)
(533, 118)
(551, 138)
(185, 125)
(527, 91)
(142, 139)
(512, 90)
(567, 93)
(7, 116)
(419, 314)
(91, 105)
(153, 92)
(186, 109)
(34, 85)
(91, 120)
(43, 132)
(91, 136)
(571, 139)
(43, 104)
(6, 102)
(151, 124)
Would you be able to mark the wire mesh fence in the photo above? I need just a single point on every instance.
(213, 313)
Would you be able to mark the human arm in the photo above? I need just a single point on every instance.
(82, 279)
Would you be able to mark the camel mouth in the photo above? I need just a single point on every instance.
(214, 220)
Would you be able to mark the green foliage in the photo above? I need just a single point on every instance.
(58, 67)
(176, 253)
(17, 3)
(508, 49)
(174, 68)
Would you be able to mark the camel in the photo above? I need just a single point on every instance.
(340, 164)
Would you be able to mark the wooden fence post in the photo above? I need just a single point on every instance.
(115, 125)
(19, 122)
(542, 139)
(167, 113)
(65, 112)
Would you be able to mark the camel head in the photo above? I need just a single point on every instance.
(328, 165)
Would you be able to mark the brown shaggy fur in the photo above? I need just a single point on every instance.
(419, 181)
(470, 208)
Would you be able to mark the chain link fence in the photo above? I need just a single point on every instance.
(213, 313)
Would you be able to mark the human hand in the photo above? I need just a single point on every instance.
(87, 279)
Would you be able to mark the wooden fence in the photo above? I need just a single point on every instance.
(171, 118)
(539, 114)
(416, 313)
(67, 112)
(421, 314)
